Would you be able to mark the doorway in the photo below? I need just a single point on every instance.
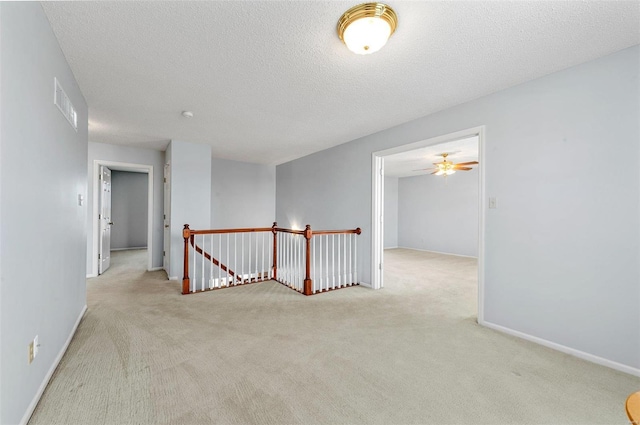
(101, 226)
(378, 200)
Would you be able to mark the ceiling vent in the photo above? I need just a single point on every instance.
(63, 103)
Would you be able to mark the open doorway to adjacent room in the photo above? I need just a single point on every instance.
(122, 215)
(428, 215)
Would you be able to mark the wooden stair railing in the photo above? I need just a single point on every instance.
(212, 259)
(300, 264)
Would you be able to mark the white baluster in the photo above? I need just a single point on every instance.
(326, 251)
(228, 262)
(333, 261)
(202, 280)
(313, 264)
(195, 258)
(219, 260)
(349, 272)
(285, 256)
(210, 268)
(344, 261)
(242, 262)
(257, 260)
(320, 261)
(235, 256)
(339, 269)
(355, 258)
(300, 256)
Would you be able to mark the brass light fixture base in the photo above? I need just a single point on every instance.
(367, 10)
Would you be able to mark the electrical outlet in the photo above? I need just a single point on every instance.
(493, 203)
(31, 355)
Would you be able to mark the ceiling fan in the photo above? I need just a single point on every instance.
(447, 167)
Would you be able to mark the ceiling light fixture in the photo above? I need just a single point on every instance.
(365, 28)
(187, 114)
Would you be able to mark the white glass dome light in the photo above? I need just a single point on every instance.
(366, 28)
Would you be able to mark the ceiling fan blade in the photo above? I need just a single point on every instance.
(467, 163)
(424, 169)
(463, 168)
(437, 171)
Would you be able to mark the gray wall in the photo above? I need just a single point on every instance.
(129, 209)
(390, 213)
(439, 214)
(43, 170)
(129, 155)
(190, 184)
(242, 194)
(562, 248)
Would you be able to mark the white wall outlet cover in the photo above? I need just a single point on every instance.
(493, 203)
(36, 345)
(80, 199)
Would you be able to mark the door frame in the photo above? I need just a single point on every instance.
(121, 166)
(377, 205)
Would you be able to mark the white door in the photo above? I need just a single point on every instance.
(167, 219)
(104, 252)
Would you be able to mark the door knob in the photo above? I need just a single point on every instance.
(166, 226)
(111, 223)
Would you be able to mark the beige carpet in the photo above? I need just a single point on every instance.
(264, 354)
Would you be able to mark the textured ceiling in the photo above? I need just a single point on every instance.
(270, 81)
(414, 162)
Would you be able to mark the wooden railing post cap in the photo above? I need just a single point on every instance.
(186, 232)
(307, 231)
(358, 231)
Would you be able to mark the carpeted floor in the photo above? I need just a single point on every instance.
(262, 353)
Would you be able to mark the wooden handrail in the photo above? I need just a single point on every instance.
(335, 232)
(295, 232)
(218, 231)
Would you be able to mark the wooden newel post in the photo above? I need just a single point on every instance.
(186, 233)
(358, 231)
(308, 284)
(275, 250)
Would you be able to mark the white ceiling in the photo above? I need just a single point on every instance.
(271, 81)
(417, 161)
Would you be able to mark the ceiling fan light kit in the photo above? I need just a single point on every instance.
(365, 28)
(446, 168)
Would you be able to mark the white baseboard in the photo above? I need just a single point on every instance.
(128, 249)
(437, 252)
(155, 269)
(173, 277)
(91, 275)
(45, 382)
(391, 247)
(562, 348)
(365, 284)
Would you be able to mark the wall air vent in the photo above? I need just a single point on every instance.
(63, 103)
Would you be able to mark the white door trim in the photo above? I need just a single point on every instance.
(377, 197)
(121, 166)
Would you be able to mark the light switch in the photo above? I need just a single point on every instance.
(80, 199)
(493, 204)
